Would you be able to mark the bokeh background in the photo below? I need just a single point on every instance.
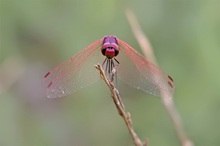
(36, 35)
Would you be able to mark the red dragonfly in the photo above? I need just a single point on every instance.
(131, 67)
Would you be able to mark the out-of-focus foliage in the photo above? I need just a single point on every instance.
(36, 35)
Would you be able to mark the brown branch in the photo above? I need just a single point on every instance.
(121, 108)
(166, 99)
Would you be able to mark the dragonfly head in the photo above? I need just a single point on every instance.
(110, 47)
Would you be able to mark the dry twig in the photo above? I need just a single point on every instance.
(121, 108)
(166, 99)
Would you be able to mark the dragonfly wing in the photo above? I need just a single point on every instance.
(74, 74)
(140, 73)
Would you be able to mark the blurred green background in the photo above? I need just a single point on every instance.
(36, 35)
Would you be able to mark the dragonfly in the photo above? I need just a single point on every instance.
(131, 67)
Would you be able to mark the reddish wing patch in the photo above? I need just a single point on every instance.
(46, 74)
(170, 78)
(170, 84)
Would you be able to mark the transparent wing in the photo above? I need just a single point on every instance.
(138, 72)
(75, 73)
